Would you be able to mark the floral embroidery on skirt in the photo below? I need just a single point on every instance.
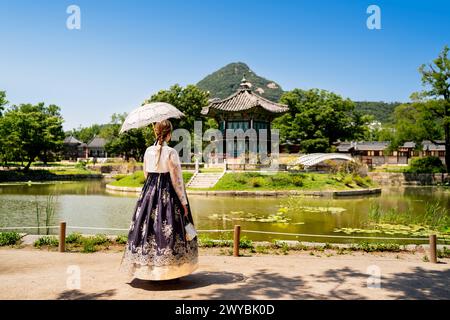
(156, 247)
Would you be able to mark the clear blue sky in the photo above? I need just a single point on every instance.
(127, 50)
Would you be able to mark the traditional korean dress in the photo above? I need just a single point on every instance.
(157, 248)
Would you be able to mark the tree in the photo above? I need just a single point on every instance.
(189, 100)
(32, 131)
(436, 80)
(86, 134)
(130, 144)
(3, 101)
(319, 118)
(416, 122)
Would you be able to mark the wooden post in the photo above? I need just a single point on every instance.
(237, 240)
(62, 236)
(433, 255)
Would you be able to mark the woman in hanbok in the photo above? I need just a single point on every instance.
(157, 247)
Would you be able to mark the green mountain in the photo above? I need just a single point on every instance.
(225, 81)
(381, 111)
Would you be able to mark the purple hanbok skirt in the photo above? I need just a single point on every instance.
(157, 248)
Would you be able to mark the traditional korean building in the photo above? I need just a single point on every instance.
(96, 148)
(244, 110)
(74, 148)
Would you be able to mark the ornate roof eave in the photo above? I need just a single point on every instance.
(245, 99)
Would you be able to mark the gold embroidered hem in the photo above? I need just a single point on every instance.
(164, 272)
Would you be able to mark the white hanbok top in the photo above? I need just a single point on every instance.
(168, 162)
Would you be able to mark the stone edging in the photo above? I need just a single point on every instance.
(272, 193)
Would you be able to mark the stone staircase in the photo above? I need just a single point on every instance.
(204, 180)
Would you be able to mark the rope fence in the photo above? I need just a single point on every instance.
(237, 236)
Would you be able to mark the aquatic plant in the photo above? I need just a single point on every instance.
(49, 211)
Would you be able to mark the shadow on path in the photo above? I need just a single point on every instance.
(419, 284)
(192, 281)
(79, 295)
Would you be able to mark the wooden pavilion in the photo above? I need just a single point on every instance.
(244, 110)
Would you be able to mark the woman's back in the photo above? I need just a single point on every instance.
(151, 159)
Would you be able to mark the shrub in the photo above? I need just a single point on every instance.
(74, 238)
(240, 178)
(122, 239)
(256, 182)
(49, 241)
(373, 247)
(426, 165)
(297, 181)
(348, 180)
(89, 245)
(100, 239)
(360, 181)
(9, 238)
(245, 243)
(81, 165)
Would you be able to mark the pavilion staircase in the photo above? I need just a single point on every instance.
(204, 180)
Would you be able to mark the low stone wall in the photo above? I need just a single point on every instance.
(40, 175)
(115, 168)
(401, 179)
(267, 193)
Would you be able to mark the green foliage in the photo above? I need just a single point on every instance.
(256, 182)
(436, 80)
(317, 119)
(444, 253)
(9, 238)
(3, 101)
(245, 243)
(189, 100)
(49, 241)
(74, 238)
(29, 131)
(426, 165)
(381, 111)
(130, 144)
(121, 239)
(137, 179)
(225, 81)
(416, 121)
(377, 247)
(89, 246)
(288, 181)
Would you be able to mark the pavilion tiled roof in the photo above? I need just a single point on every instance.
(244, 99)
(72, 140)
(97, 142)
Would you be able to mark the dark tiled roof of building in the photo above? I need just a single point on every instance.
(409, 144)
(97, 142)
(362, 146)
(438, 145)
(375, 145)
(244, 99)
(72, 140)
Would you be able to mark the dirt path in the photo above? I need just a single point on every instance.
(34, 274)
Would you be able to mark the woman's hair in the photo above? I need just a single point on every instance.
(162, 130)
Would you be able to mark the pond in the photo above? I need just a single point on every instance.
(89, 204)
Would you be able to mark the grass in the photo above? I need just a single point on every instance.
(9, 238)
(136, 180)
(290, 181)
